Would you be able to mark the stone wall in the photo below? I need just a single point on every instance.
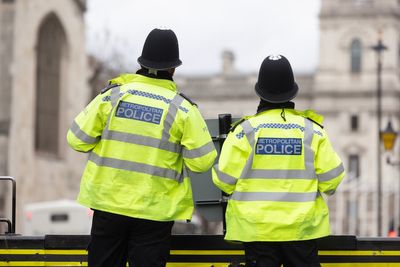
(43, 177)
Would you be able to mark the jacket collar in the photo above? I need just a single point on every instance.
(264, 105)
(130, 78)
(161, 74)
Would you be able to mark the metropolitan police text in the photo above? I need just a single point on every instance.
(139, 112)
(279, 146)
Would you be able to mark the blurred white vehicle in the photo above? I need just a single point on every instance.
(57, 217)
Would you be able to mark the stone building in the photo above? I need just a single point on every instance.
(346, 92)
(43, 86)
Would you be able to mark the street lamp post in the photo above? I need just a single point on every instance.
(379, 48)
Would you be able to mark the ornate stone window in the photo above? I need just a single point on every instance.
(50, 49)
(354, 166)
(356, 56)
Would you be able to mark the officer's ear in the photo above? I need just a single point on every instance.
(171, 71)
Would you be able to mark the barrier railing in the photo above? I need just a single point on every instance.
(11, 224)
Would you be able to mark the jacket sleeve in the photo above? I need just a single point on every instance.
(329, 168)
(232, 161)
(198, 148)
(86, 129)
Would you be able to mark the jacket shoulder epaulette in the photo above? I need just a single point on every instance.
(320, 125)
(312, 116)
(188, 99)
(236, 123)
(108, 87)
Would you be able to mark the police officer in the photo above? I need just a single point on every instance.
(275, 165)
(142, 136)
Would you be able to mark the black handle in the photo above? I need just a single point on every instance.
(11, 229)
(208, 202)
(9, 224)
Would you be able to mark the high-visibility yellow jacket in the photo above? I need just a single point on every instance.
(142, 137)
(275, 171)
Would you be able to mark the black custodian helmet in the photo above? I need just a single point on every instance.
(275, 82)
(160, 50)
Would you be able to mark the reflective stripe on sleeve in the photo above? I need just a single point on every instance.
(226, 178)
(135, 166)
(76, 130)
(198, 152)
(332, 174)
(274, 196)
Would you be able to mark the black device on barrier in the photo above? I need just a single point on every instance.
(224, 123)
(210, 201)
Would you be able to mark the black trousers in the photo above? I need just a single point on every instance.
(274, 254)
(116, 239)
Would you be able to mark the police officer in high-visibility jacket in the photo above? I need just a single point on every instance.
(143, 137)
(276, 165)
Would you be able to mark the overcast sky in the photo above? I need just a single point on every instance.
(251, 29)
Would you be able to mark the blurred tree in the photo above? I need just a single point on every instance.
(107, 59)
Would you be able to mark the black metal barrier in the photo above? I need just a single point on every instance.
(194, 250)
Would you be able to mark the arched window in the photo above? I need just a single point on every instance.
(356, 55)
(50, 49)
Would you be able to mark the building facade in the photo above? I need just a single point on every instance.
(346, 92)
(44, 85)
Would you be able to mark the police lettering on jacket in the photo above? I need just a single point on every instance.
(279, 146)
(139, 112)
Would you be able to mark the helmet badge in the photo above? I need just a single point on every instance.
(274, 57)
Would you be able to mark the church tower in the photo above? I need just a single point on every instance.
(346, 91)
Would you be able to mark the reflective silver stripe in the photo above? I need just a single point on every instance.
(198, 152)
(76, 130)
(170, 117)
(307, 173)
(226, 178)
(135, 166)
(274, 196)
(114, 95)
(335, 172)
(308, 152)
(141, 140)
(280, 174)
(249, 132)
